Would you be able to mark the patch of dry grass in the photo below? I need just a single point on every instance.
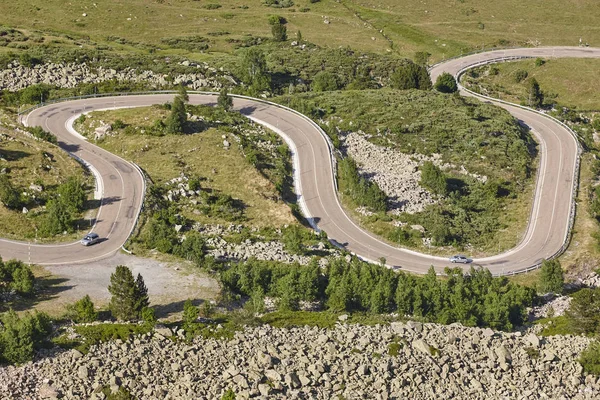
(574, 81)
(201, 154)
(443, 28)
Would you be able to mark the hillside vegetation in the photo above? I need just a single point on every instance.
(484, 215)
(439, 27)
(33, 173)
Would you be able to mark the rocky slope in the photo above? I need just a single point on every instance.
(412, 360)
(17, 77)
(396, 173)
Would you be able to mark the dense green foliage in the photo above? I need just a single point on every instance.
(474, 299)
(584, 311)
(82, 311)
(253, 70)
(433, 179)
(40, 133)
(9, 196)
(63, 208)
(410, 76)
(175, 123)
(362, 191)
(551, 279)
(129, 295)
(535, 97)
(296, 69)
(446, 83)
(16, 276)
(325, 81)
(20, 335)
(590, 358)
(93, 334)
(224, 100)
(279, 32)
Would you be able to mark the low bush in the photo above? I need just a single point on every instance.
(20, 335)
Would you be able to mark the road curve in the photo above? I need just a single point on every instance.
(314, 180)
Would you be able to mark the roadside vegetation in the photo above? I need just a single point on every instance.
(482, 215)
(43, 192)
(215, 168)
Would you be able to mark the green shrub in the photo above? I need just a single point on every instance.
(9, 195)
(410, 76)
(325, 81)
(394, 349)
(433, 179)
(551, 279)
(20, 335)
(362, 191)
(40, 133)
(584, 311)
(590, 358)
(446, 83)
(118, 124)
(82, 311)
(520, 75)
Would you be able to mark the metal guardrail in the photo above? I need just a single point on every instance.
(575, 186)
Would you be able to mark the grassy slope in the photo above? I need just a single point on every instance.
(575, 81)
(454, 127)
(440, 27)
(25, 158)
(159, 157)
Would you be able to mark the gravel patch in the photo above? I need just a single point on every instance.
(168, 283)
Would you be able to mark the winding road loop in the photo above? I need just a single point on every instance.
(122, 184)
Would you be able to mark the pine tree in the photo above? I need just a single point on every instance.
(552, 279)
(535, 95)
(128, 295)
(182, 93)
(446, 83)
(190, 314)
(141, 294)
(224, 101)
(176, 121)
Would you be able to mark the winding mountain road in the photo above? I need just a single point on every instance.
(122, 184)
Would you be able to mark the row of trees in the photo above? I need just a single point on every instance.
(474, 299)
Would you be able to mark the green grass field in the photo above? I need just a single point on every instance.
(574, 81)
(443, 28)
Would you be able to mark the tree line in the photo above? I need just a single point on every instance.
(474, 298)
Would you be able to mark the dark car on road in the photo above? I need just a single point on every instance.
(90, 239)
(460, 259)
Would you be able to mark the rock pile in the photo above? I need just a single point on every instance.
(396, 173)
(17, 77)
(412, 360)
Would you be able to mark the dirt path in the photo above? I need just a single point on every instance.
(169, 284)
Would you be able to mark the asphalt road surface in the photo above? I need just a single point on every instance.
(122, 185)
